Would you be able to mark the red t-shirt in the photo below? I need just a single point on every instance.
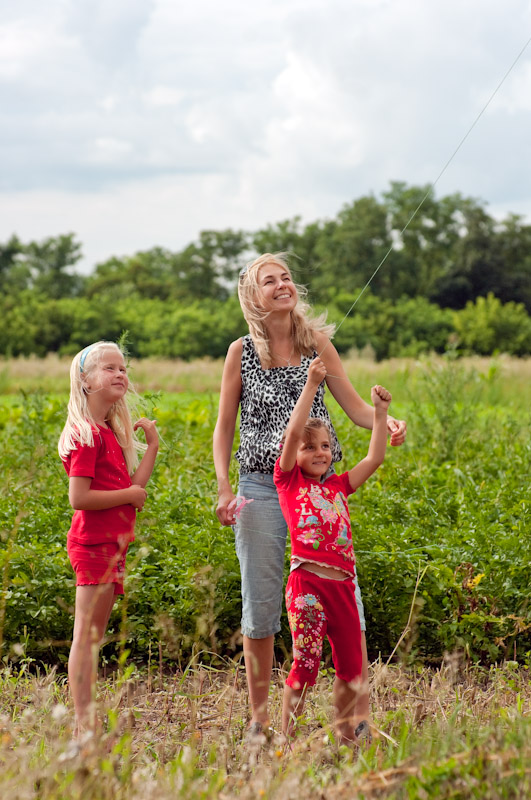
(104, 462)
(317, 517)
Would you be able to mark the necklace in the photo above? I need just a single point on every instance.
(288, 359)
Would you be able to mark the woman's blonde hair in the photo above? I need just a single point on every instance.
(79, 427)
(304, 326)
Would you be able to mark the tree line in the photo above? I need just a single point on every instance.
(452, 277)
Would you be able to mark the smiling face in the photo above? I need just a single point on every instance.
(108, 377)
(276, 288)
(314, 455)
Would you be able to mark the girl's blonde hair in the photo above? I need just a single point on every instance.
(79, 427)
(304, 326)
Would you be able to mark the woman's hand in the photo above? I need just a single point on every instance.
(397, 429)
(149, 426)
(223, 512)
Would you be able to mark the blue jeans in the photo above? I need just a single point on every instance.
(261, 532)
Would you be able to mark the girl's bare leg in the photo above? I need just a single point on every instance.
(345, 702)
(362, 708)
(93, 608)
(292, 707)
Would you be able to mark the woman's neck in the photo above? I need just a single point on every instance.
(279, 329)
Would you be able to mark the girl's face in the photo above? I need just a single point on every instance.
(314, 455)
(108, 377)
(277, 291)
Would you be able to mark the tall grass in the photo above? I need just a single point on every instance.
(446, 733)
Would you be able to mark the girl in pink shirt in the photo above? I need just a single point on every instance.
(320, 594)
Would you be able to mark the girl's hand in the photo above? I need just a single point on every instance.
(397, 429)
(149, 428)
(380, 397)
(223, 512)
(137, 496)
(316, 372)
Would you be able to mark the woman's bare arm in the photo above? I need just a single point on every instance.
(223, 439)
(356, 409)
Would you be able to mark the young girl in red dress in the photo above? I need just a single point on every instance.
(320, 594)
(99, 449)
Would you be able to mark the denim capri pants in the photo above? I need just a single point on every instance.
(260, 533)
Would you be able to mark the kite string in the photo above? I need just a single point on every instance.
(431, 186)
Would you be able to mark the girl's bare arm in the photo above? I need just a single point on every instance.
(83, 498)
(300, 414)
(378, 444)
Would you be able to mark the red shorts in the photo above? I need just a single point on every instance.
(319, 607)
(98, 563)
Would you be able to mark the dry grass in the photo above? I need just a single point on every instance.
(51, 374)
(453, 732)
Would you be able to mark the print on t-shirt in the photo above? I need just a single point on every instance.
(321, 511)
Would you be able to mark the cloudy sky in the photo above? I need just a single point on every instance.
(136, 123)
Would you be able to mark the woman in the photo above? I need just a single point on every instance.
(264, 374)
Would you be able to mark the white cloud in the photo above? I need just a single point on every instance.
(168, 117)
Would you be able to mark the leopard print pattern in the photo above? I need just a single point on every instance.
(267, 400)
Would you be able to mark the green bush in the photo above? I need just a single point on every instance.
(487, 326)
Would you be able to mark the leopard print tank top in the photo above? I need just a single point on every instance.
(267, 400)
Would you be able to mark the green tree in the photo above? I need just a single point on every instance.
(51, 264)
(487, 326)
(349, 250)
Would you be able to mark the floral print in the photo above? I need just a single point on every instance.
(319, 607)
(307, 624)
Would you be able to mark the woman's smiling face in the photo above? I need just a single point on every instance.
(277, 290)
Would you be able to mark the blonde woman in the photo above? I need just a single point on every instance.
(99, 450)
(264, 374)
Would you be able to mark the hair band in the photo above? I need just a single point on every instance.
(84, 355)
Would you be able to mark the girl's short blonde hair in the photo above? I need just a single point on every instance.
(304, 326)
(80, 426)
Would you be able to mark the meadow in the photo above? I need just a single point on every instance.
(442, 541)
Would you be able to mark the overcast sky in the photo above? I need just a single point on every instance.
(136, 123)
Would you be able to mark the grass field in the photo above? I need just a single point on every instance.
(452, 708)
(456, 732)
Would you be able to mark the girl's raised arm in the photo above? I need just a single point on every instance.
(300, 414)
(145, 468)
(377, 446)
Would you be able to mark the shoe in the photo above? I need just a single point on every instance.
(363, 733)
(257, 735)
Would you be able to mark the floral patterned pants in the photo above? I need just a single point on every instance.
(319, 607)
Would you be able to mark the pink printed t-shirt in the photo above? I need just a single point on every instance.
(104, 462)
(317, 517)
